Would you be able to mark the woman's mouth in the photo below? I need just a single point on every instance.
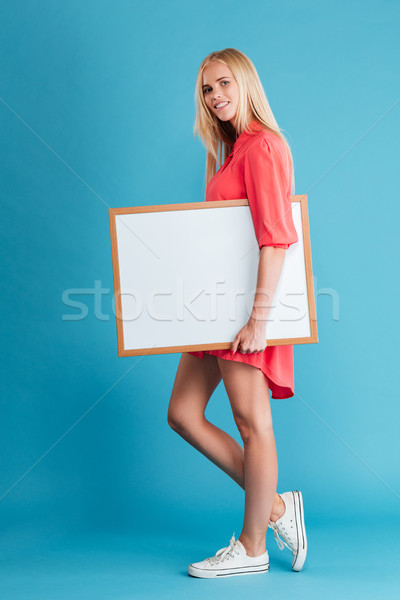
(221, 105)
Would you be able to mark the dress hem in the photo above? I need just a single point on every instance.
(278, 392)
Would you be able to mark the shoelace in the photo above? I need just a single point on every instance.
(226, 551)
(281, 543)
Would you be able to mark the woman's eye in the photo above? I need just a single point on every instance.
(206, 90)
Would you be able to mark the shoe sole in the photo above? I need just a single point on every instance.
(207, 574)
(301, 553)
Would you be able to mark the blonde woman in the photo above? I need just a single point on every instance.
(238, 129)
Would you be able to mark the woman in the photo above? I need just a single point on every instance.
(235, 121)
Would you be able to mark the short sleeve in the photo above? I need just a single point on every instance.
(267, 177)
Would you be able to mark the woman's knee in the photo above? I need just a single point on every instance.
(174, 417)
(195, 381)
(181, 417)
(253, 428)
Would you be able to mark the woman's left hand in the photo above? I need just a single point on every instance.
(252, 337)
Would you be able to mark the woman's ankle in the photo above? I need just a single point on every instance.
(252, 548)
(278, 509)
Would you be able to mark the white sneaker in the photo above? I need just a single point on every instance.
(230, 560)
(291, 528)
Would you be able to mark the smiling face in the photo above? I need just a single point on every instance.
(221, 91)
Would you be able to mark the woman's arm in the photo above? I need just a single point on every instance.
(252, 337)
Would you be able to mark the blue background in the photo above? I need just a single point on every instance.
(99, 497)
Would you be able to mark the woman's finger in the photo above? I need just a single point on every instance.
(235, 344)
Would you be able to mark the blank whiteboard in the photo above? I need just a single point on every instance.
(185, 277)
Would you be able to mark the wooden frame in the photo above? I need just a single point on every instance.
(115, 213)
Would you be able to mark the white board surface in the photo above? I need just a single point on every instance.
(187, 278)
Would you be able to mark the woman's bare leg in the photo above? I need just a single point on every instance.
(247, 389)
(195, 382)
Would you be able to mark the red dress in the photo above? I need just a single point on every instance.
(259, 169)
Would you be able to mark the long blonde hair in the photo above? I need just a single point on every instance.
(218, 136)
